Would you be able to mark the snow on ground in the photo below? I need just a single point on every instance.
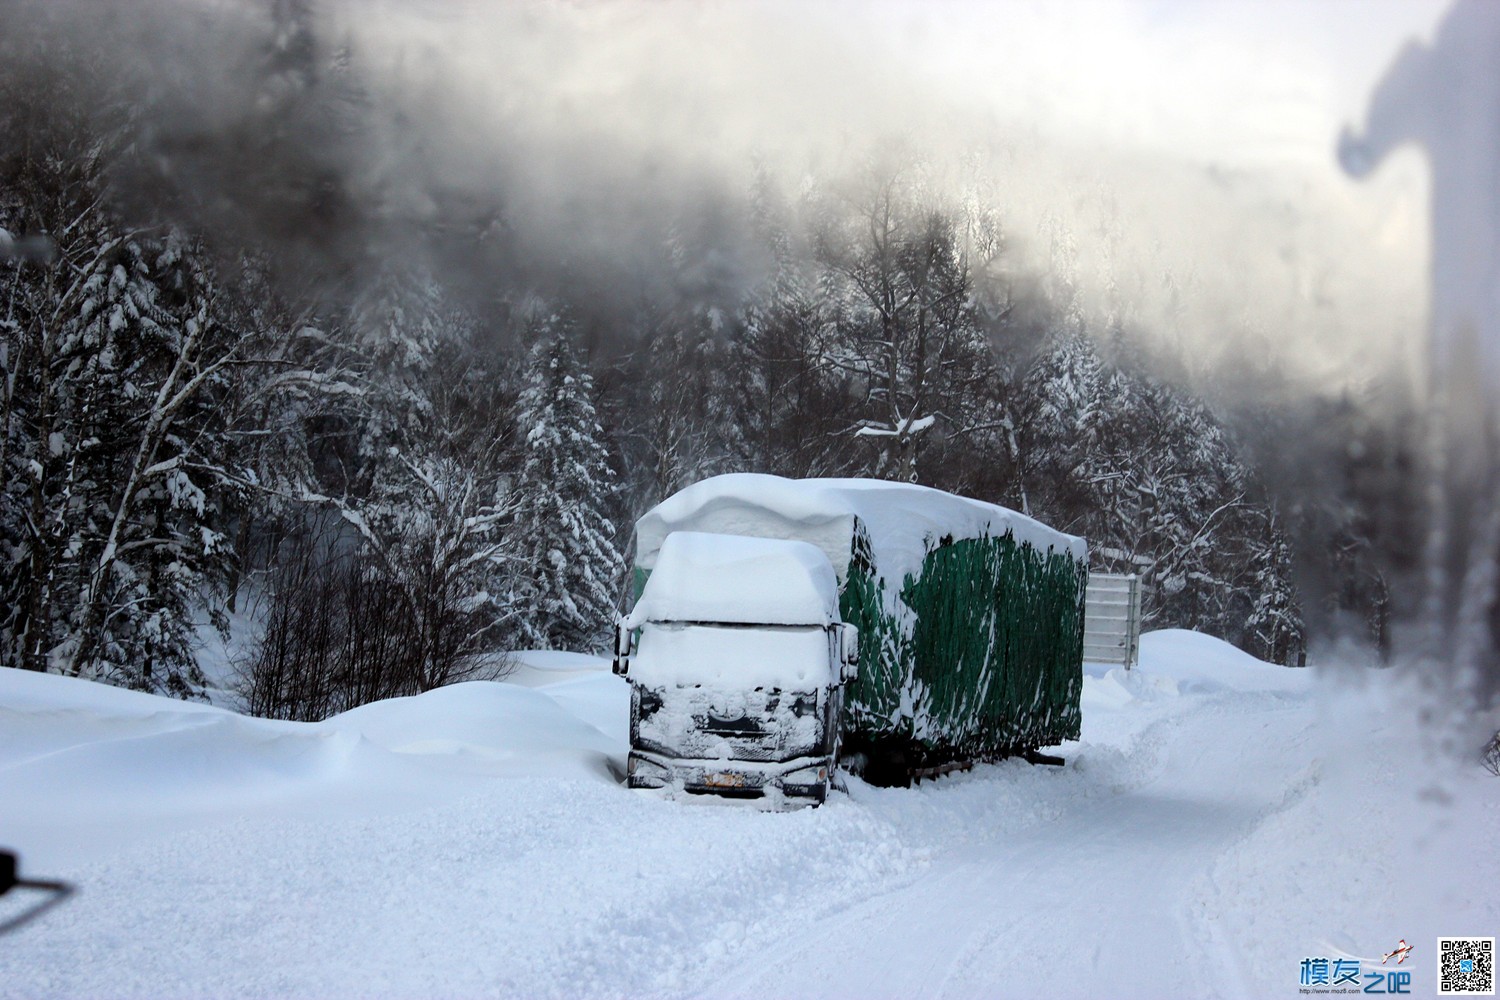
(1219, 821)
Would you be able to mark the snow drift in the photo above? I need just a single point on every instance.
(1219, 820)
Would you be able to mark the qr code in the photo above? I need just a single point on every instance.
(1466, 966)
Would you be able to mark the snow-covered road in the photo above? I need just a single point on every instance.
(1219, 821)
(1091, 899)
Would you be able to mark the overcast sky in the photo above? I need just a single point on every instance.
(1253, 90)
(1177, 138)
(1179, 152)
(1230, 81)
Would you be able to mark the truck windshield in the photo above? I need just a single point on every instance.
(785, 657)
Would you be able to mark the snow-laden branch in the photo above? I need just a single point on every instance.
(906, 427)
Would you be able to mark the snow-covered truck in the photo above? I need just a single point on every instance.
(969, 616)
(736, 658)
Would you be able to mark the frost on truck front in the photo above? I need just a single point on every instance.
(736, 660)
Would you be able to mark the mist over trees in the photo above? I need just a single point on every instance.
(407, 470)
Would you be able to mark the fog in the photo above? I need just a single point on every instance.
(1184, 150)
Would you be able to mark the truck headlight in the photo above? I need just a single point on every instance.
(807, 782)
(648, 701)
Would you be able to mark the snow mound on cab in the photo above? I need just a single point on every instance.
(904, 522)
(701, 577)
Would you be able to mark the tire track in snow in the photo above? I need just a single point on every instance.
(1051, 903)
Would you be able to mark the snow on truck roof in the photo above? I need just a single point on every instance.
(702, 577)
(904, 521)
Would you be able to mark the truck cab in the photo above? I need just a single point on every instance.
(737, 660)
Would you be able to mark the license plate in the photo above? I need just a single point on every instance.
(724, 781)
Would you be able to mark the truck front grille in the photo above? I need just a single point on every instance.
(692, 722)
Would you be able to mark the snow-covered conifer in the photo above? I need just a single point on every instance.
(1147, 473)
(113, 432)
(1274, 628)
(569, 567)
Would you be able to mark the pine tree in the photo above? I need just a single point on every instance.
(569, 566)
(1064, 417)
(115, 430)
(1274, 628)
(395, 327)
(1149, 475)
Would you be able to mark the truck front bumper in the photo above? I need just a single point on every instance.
(803, 778)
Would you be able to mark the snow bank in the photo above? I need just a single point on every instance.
(1202, 663)
(1176, 662)
(557, 661)
(701, 577)
(904, 521)
(1116, 687)
(28, 691)
(84, 765)
(541, 667)
(481, 718)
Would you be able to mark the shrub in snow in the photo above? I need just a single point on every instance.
(351, 620)
(415, 567)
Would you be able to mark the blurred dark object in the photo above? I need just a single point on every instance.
(35, 249)
(10, 879)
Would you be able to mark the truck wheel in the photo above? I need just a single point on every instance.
(888, 769)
